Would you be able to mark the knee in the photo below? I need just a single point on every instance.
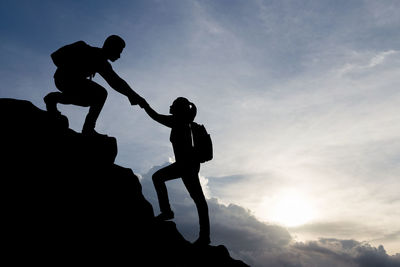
(98, 93)
(102, 93)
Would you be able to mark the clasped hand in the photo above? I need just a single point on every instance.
(136, 99)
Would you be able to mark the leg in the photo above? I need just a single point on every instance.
(51, 102)
(81, 92)
(159, 178)
(53, 98)
(193, 186)
(64, 85)
(98, 97)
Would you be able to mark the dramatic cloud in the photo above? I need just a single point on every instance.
(262, 244)
(301, 99)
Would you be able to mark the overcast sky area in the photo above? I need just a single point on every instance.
(301, 98)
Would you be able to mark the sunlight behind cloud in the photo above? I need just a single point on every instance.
(289, 208)
(301, 100)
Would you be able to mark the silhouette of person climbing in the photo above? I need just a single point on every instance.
(186, 165)
(77, 63)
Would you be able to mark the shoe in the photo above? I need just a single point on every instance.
(202, 241)
(92, 132)
(165, 216)
(51, 106)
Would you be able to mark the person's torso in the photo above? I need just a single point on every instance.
(181, 140)
(81, 60)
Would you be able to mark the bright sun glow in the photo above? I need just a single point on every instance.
(292, 210)
(289, 209)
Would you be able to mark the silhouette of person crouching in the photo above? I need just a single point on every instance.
(77, 63)
(186, 166)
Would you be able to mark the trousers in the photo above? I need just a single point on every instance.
(82, 92)
(189, 174)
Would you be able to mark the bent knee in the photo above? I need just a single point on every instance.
(101, 93)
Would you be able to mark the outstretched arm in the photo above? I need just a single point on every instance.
(166, 120)
(121, 86)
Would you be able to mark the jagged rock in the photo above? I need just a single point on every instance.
(65, 201)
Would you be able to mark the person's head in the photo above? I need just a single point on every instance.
(113, 47)
(183, 109)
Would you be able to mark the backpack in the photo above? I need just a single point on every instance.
(72, 55)
(202, 143)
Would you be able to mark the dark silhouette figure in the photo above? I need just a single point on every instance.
(186, 166)
(77, 63)
(64, 200)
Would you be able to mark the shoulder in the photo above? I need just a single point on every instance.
(101, 61)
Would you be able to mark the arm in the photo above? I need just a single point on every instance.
(166, 120)
(121, 86)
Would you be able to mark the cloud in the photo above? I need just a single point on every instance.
(261, 244)
(340, 229)
(395, 236)
(374, 61)
(335, 252)
(295, 95)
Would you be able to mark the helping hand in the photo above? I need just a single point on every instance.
(136, 99)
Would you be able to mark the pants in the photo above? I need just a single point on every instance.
(190, 178)
(81, 92)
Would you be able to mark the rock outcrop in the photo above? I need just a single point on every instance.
(65, 201)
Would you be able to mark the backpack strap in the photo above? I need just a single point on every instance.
(191, 133)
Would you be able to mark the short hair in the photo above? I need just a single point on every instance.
(114, 41)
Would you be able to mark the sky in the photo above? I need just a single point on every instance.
(301, 99)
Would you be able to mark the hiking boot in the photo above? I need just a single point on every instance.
(51, 105)
(165, 216)
(202, 241)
